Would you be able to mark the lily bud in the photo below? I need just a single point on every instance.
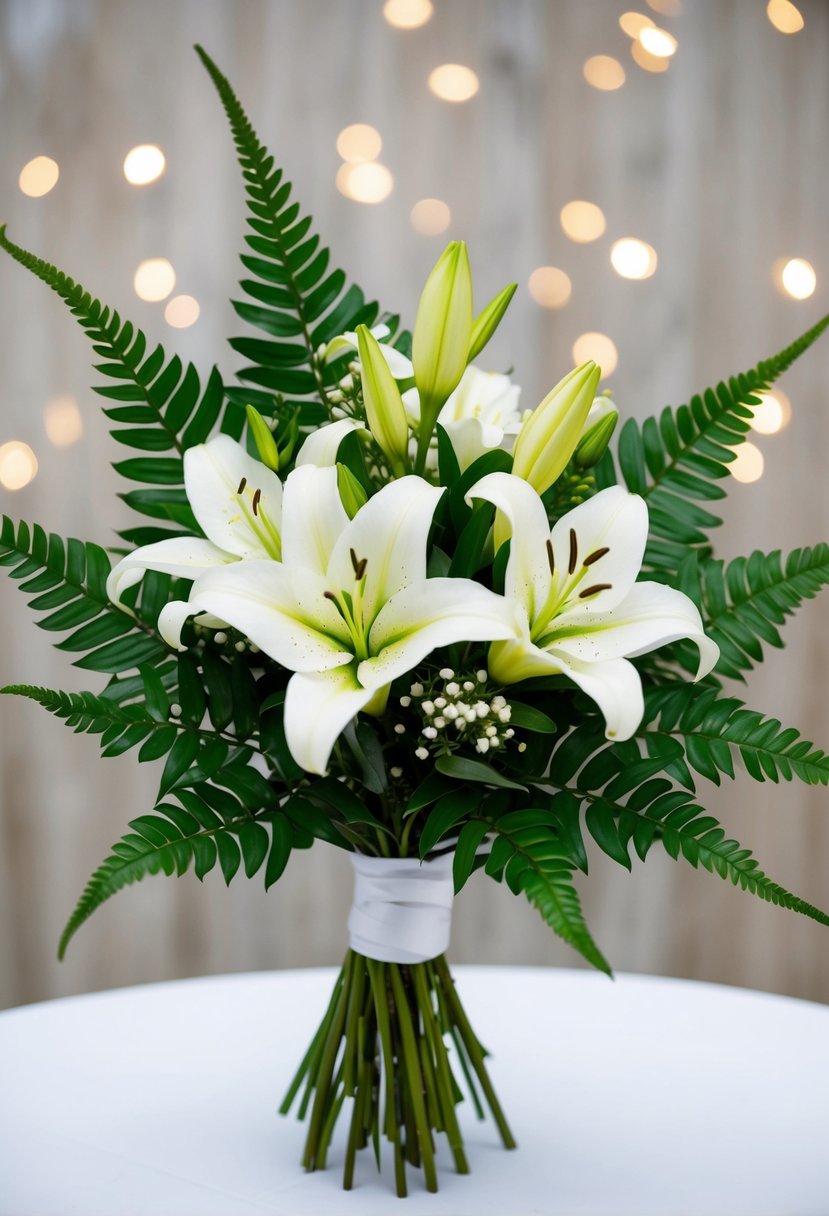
(263, 438)
(442, 332)
(385, 412)
(352, 493)
(601, 423)
(488, 320)
(549, 437)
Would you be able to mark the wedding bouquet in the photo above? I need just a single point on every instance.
(373, 604)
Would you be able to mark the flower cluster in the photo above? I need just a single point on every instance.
(457, 709)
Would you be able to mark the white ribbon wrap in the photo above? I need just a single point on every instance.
(402, 908)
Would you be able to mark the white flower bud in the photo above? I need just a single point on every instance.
(421, 753)
(396, 772)
(440, 702)
(451, 712)
(440, 723)
(405, 702)
(429, 732)
(428, 708)
(468, 686)
(416, 690)
(220, 638)
(452, 689)
(482, 745)
(399, 729)
(505, 714)
(481, 709)
(446, 673)
(482, 676)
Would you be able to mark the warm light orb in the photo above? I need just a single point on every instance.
(772, 414)
(144, 164)
(644, 59)
(407, 14)
(598, 347)
(749, 463)
(359, 142)
(368, 182)
(582, 221)
(549, 286)
(430, 216)
(785, 16)
(667, 8)
(154, 279)
(658, 42)
(18, 465)
(39, 176)
(181, 312)
(632, 258)
(604, 72)
(453, 82)
(795, 277)
(632, 23)
(63, 421)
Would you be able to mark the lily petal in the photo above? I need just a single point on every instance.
(313, 518)
(390, 532)
(429, 614)
(181, 556)
(613, 524)
(213, 473)
(318, 706)
(283, 610)
(527, 578)
(651, 615)
(616, 688)
(321, 446)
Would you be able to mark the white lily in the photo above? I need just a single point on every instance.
(237, 502)
(399, 365)
(321, 446)
(350, 608)
(481, 414)
(583, 613)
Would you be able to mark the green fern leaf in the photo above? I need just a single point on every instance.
(68, 581)
(296, 299)
(675, 461)
(157, 405)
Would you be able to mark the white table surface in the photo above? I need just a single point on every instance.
(643, 1097)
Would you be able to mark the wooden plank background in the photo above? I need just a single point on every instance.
(720, 163)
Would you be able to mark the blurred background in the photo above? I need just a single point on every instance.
(656, 181)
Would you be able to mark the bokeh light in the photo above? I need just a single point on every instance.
(773, 413)
(598, 347)
(453, 82)
(582, 221)
(359, 142)
(39, 176)
(18, 465)
(154, 279)
(181, 312)
(658, 42)
(749, 463)
(368, 182)
(632, 258)
(549, 286)
(632, 23)
(144, 164)
(667, 8)
(407, 14)
(785, 16)
(644, 59)
(794, 277)
(604, 72)
(430, 216)
(62, 420)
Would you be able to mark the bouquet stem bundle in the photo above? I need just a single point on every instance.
(383, 1043)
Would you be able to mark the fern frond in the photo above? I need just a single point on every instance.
(712, 730)
(675, 461)
(158, 407)
(175, 836)
(297, 300)
(68, 581)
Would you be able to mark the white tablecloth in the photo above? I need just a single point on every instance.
(643, 1097)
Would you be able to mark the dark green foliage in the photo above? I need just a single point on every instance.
(297, 300)
(676, 460)
(713, 730)
(158, 405)
(68, 582)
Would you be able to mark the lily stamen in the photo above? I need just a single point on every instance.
(256, 497)
(583, 595)
(242, 485)
(551, 557)
(574, 552)
(359, 565)
(595, 555)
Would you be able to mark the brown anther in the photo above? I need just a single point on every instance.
(592, 590)
(551, 557)
(242, 485)
(257, 494)
(574, 552)
(329, 595)
(358, 564)
(595, 555)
